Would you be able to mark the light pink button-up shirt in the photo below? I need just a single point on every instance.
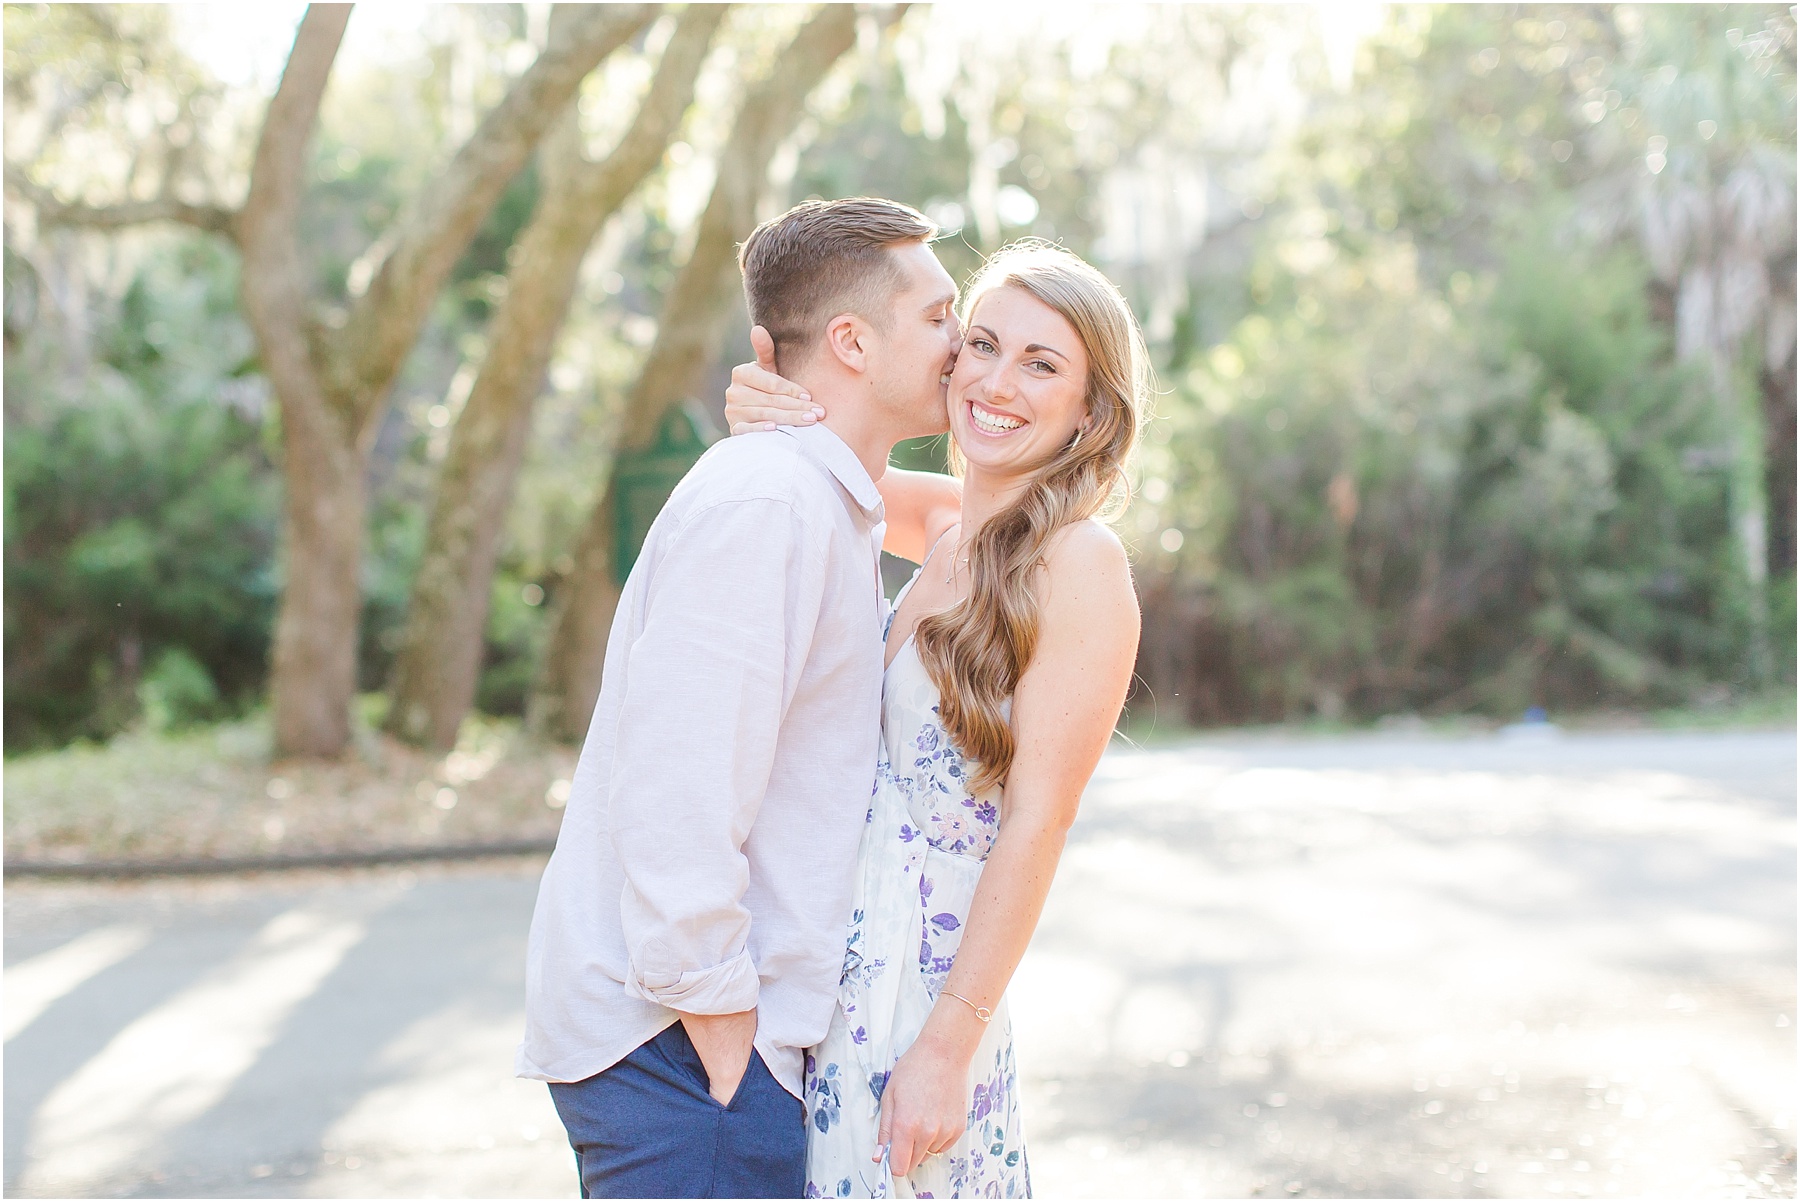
(706, 855)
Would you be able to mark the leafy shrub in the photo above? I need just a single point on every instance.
(128, 533)
(141, 514)
(177, 692)
(1391, 499)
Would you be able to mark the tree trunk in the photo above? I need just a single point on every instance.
(314, 666)
(687, 339)
(331, 379)
(1779, 475)
(1745, 499)
(1777, 385)
(439, 660)
(568, 681)
(314, 658)
(333, 385)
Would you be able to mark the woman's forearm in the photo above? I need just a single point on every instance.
(1002, 918)
(917, 505)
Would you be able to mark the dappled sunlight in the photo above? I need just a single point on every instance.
(450, 1099)
(1326, 967)
(173, 1063)
(34, 985)
(1457, 967)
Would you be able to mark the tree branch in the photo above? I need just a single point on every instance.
(439, 659)
(52, 210)
(604, 185)
(313, 660)
(687, 338)
(275, 281)
(385, 321)
(702, 291)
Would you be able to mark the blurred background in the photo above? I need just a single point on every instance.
(348, 353)
(1473, 329)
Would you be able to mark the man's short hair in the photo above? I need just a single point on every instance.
(822, 258)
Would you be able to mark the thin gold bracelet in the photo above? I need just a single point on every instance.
(981, 1012)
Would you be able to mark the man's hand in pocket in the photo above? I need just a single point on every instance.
(724, 1043)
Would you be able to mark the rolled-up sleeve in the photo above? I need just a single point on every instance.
(731, 606)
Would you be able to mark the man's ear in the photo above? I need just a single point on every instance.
(847, 336)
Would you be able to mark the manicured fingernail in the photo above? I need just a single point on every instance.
(806, 396)
(817, 412)
(809, 418)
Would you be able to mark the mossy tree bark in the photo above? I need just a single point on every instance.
(439, 660)
(687, 338)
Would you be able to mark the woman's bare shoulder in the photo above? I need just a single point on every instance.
(1087, 570)
(1087, 547)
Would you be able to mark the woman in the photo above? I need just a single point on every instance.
(1008, 658)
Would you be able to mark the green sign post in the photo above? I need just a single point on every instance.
(643, 480)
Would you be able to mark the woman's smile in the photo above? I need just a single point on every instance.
(992, 422)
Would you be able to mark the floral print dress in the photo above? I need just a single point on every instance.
(922, 852)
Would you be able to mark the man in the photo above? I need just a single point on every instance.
(689, 929)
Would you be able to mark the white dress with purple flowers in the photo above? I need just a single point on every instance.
(922, 853)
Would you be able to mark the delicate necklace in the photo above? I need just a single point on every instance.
(950, 574)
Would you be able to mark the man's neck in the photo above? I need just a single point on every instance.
(849, 417)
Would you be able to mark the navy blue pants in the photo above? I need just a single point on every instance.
(647, 1128)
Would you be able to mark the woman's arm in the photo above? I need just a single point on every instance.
(1063, 714)
(920, 505)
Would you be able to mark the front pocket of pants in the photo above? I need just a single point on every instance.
(684, 1058)
(755, 1062)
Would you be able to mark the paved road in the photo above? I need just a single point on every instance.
(1366, 966)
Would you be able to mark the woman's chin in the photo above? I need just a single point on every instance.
(981, 454)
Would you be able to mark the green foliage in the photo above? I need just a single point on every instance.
(177, 692)
(482, 268)
(1426, 445)
(1394, 501)
(929, 454)
(515, 624)
(1447, 459)
(355, 197)
(141, 518)
(396, 540)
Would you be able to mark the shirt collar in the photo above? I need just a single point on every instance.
(835, 456)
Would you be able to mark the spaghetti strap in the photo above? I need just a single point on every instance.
(934, 547)
(887, 627)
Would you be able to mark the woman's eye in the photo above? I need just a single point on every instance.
(982, 345)
(1041, 365)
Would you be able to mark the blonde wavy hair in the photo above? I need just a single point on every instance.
(976, 650)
